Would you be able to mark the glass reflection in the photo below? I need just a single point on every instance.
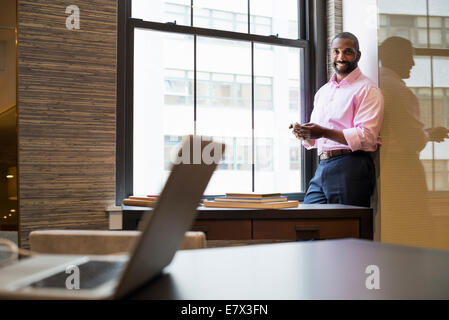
(415, 153)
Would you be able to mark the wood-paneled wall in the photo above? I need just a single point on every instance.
(334, 27)
(66, 115)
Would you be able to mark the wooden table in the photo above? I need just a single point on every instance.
(246, 226)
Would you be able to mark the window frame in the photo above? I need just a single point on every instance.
(312, 38)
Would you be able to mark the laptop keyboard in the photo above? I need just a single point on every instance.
(91, 275)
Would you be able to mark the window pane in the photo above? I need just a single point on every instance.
(421, 22)
(435, 22)
(227, 117)
(163, 104)
(222, 25)
(422, 37)
(229, 15)
(162, 11)
(441, 119)
(440, 74)
(271, 17)
(278, 159)
(203, 92)
(244, 91)
(295, 155)
(435, 38)
(441, 165)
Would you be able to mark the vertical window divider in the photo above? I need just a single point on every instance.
(302, 88)
(253, 147)
(249, 17)
(129, 110)
(194, 85)
(121, 173)
(191, 13)
(253, 83)
(194, 71)
(301, 19)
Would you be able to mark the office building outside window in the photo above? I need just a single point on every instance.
(234, 88)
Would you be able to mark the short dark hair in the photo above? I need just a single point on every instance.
(350, 36)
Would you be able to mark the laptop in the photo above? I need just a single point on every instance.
(45, 276)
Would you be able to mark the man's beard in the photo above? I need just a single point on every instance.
(351, 66)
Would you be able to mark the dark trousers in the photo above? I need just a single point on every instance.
(346, 179)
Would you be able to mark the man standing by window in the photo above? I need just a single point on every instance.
(344, 127)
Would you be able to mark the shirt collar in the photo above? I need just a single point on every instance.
(350, 78)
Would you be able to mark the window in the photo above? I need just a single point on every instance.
(423, 31)
(220, 71)
(434, 112)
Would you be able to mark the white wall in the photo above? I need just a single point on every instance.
(360, 18)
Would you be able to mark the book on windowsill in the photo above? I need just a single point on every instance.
(140, 201)
(250, 200)
(253, 195)
(263, 205)
(147, 198)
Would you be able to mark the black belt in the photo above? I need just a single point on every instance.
(334, 153)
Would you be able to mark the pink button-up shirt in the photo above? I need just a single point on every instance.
(354, 106)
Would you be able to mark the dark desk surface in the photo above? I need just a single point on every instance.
(330, 269)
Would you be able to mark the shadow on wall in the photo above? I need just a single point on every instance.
(407, 217)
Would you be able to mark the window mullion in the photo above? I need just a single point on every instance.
(194, 84)
(252, 102)
(253, 160)
(194, 71)
(249, 17)
(191, 13)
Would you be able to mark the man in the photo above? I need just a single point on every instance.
(345, 124)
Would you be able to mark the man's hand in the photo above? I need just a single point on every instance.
(437, 134)
(307, 131)
(311, 131)
(296, 130)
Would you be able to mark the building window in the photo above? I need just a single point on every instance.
(434, 112)
(219, 89)
(423, 31)
(242, 88)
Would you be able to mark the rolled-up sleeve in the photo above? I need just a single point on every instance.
(367, 121)
(309, 144)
